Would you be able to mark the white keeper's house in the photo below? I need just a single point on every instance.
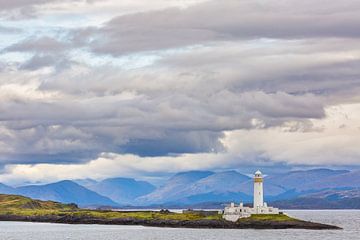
(233, 212)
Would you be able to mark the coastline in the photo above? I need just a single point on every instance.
(23, 209)
(170, 223)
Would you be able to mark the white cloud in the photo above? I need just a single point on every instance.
(333, 140)
(163, 78)
(179, 104)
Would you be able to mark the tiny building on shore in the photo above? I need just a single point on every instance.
(233, 212)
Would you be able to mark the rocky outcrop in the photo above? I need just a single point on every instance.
(220, 224)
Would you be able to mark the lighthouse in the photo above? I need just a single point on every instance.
(258, 190)
(233, 212)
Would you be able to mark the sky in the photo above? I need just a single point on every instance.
(145, 89)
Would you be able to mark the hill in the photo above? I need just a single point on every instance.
(8, 202)
(325, 199)
(171, 189)
(195, 188)
(346, 179)
(66, 192)
(122, 190)
(6, 189)
(299, 179)
(222, 186)
(318, 203)
(192, 187)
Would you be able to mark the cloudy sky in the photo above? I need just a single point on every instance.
(103, 88)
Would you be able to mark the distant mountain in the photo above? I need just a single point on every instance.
(88, 182)
(293, 184)
(196, 187)
(299, 179)
(318, 203)
(336, 194)
(300, 183)
(345, 180)
(6, 189)
(222, 186)
(218, 182)
(122, 190)
(270, 190)
(212, 197)
(203, 187)
(170, 191)
(326, 199)
(65, 192)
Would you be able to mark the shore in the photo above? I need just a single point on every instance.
(23, 209)
(171, 223)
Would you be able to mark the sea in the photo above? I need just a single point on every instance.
(349, 220)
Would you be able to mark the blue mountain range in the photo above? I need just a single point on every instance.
(63, 191)
(194, 187)
(122, 190)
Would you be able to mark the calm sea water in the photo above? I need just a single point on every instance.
(349, 220)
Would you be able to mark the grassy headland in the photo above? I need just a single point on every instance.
(23, 206)
(19, 208)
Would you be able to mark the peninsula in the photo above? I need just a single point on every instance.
(19, 208)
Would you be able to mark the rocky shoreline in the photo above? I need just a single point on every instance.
(213, 224)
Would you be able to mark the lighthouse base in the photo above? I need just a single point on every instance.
(235, 212)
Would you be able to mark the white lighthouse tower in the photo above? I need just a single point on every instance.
(233, 212)
(258, 190)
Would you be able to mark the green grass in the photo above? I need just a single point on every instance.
(146, 215)
(23, 206)
(269, 217)
(20, 202)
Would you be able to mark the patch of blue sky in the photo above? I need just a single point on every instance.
(126, 62)
(8, 40)
(129, 61)
(71, 21)
(14, 57)
(37, 27)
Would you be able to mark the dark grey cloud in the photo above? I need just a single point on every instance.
(175, 142)
(101, 120)
(233, 77)
(223, 21)
(181, 104)
(205, 91)
(176, 124)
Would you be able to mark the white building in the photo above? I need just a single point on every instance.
(234, 212)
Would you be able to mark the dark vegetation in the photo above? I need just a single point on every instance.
(19, 208)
